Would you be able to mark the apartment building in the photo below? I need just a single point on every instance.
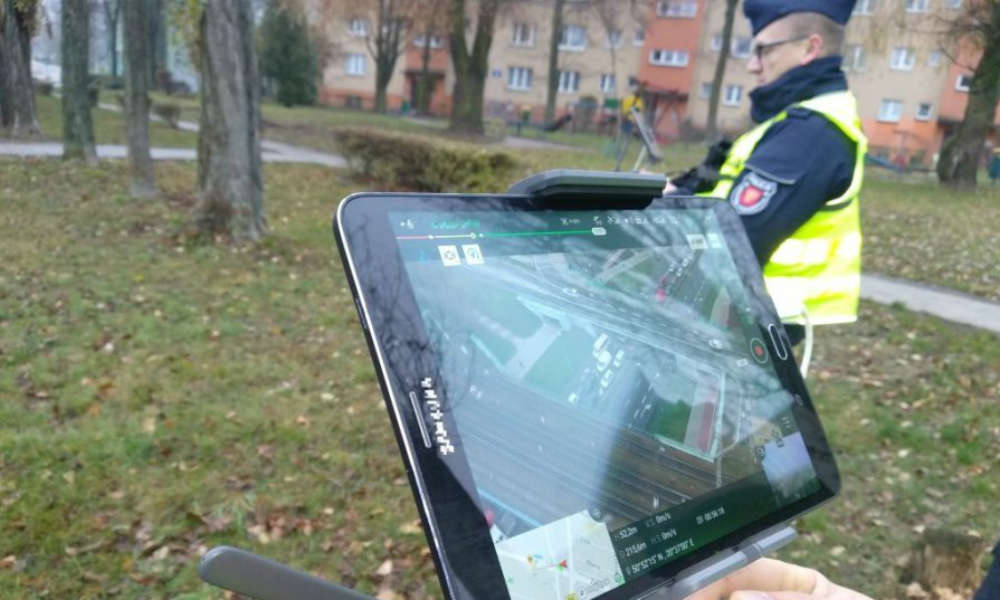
(910, 91)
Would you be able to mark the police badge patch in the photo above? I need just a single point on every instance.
(753, 194)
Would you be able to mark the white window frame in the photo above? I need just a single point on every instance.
(639, 36)
(954, 4)
(359, 27)
(737, 43)
(902, 59)
(935, 58)
(732, 95)
(865, 7)
(705, 89)
(663, 57)
(608, 84)
(921, 115)
(356, 64)
(569, 82)
(676, 9)
(963, 87)
(519, 78)
(716, 43)
(523, 35)
(436, 41)
(855, 58)
(615, 38)
(578, 45)
(917, 6)
(890, 110)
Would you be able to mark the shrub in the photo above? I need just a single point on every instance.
(415, 164)
(287, 55)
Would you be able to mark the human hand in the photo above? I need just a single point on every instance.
(769, 579)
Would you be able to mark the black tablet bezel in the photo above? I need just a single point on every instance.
(463, 550)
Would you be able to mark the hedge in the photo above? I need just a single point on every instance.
(406, 162)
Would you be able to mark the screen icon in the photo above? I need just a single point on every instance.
(696, 241)
(599, 231)
(449, 256)
(473, 255)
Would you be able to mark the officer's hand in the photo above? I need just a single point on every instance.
(769, 579)
(670, 188)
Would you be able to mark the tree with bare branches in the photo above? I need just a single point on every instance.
(552, 84)
(712, 126)
(78, 127)
(18, 19)
(977, 29)
(138, 56)
(470, 62)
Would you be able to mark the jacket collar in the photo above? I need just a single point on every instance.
(820, 76)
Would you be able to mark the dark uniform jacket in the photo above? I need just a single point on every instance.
(807, 158)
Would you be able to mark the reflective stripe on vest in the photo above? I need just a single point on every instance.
(819, 266)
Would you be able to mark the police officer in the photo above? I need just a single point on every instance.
(795, 178)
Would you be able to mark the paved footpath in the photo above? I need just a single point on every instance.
(940, 302)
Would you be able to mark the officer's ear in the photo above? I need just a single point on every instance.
(815, 48)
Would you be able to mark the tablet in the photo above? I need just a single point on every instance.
(592, 394)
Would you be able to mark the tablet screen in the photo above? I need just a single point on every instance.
(609, 384)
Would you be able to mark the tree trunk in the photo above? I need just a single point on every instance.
(712, 125)
(112, 11)
(961, 152)
(229, 164)
(472, 67)
(553, 79)
(424, 83)
(78, 129)
(383, 73)
(17, 94)
(137, 84)
(158, 40)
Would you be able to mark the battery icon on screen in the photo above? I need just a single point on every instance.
(599, 231)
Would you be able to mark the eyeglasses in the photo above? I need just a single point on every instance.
(759, 49)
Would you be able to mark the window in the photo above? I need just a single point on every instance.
(524, 34)
(854, 57)
(569, 81)
(676, 9)
(706, 90)
(954, 3)
(716, 43)
(358, 27)
(668, 58)
(864, 7)
(963, 83)
(640, 37)
(934, 58)
(890, 110)
(519, 78)
(614, 39)
(916, 6)
(902, 59)
(355, 64)
(435, 41)
(741, 47)
(573, 37)
(607, 83)
(733, 95)
(924, 110)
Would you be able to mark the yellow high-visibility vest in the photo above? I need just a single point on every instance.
(819, 266)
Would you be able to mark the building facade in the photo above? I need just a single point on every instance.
(911, 88)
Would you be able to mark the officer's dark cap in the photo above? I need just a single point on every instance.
(763, 12)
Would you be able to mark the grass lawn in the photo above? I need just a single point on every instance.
(160, 397)
(917, 230)
(109, 127)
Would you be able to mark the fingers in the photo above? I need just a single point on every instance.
(766, 575)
